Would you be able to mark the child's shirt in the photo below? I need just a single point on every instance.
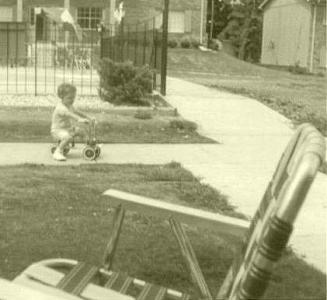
(62, 117)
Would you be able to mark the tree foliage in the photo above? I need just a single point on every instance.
(240, 22)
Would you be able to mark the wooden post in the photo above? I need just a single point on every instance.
(164, 48)
(113, 241)
(211, 23)
(314, 20)
(190, 259)
(201, 22)
(226, 286)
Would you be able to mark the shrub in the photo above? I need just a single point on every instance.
(172, 43)
(215, 45)
(143, 115)
(181, 124)
(185, 43)
(195, 43)
(123, 83)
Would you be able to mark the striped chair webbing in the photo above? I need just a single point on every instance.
(121, 282)
(75, 281)
(78, 278)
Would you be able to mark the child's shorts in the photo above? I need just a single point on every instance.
(62, 134)
(66, 134)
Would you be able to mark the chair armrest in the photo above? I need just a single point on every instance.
(187, 215)
(16, 291)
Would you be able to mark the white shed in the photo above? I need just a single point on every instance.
(294, 32)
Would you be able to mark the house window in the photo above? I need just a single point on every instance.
(176, 22)
(89, 17)
(6, 14)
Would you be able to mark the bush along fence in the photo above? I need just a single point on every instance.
(35, 59)
(144, 44)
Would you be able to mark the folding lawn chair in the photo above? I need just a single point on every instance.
(249, 275)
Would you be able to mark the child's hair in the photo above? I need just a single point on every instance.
(64, 89)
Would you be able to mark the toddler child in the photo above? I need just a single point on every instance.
(64, 117)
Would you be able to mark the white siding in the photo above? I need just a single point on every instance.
(286, 32)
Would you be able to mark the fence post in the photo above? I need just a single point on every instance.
(101, 41)
(154, 54)
(35, 64)
(7, 54)
(144, 42)
(164, 43)
(16, 50)
(136, 45)
(122, 40)
(127, 44)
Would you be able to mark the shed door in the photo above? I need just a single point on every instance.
(286, 31)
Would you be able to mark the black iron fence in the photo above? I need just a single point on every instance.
(34, 61)
(139, 43)
(36, 58)
(143, 43)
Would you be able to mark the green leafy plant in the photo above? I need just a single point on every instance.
(185, 43)
(241, 24)
(172, 43)
(195, 43)
(123, 83)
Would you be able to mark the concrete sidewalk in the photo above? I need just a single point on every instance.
(253, 138)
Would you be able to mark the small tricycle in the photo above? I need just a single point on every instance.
(91, 151)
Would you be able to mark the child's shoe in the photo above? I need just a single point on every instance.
(58, 156)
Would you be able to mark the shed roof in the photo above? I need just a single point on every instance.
(265, 2)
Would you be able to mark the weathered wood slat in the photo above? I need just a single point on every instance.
(117, 223)
(190, 259)
(163, 210)
(78, 278)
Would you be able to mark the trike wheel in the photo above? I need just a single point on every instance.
(89, 153)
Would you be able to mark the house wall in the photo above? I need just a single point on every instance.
(319, 52)
(286, 32)
(141, 10)
(74, 4)
(10, 4)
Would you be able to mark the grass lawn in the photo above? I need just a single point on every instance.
(32, 124)
(301, 98)
(49, 212)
